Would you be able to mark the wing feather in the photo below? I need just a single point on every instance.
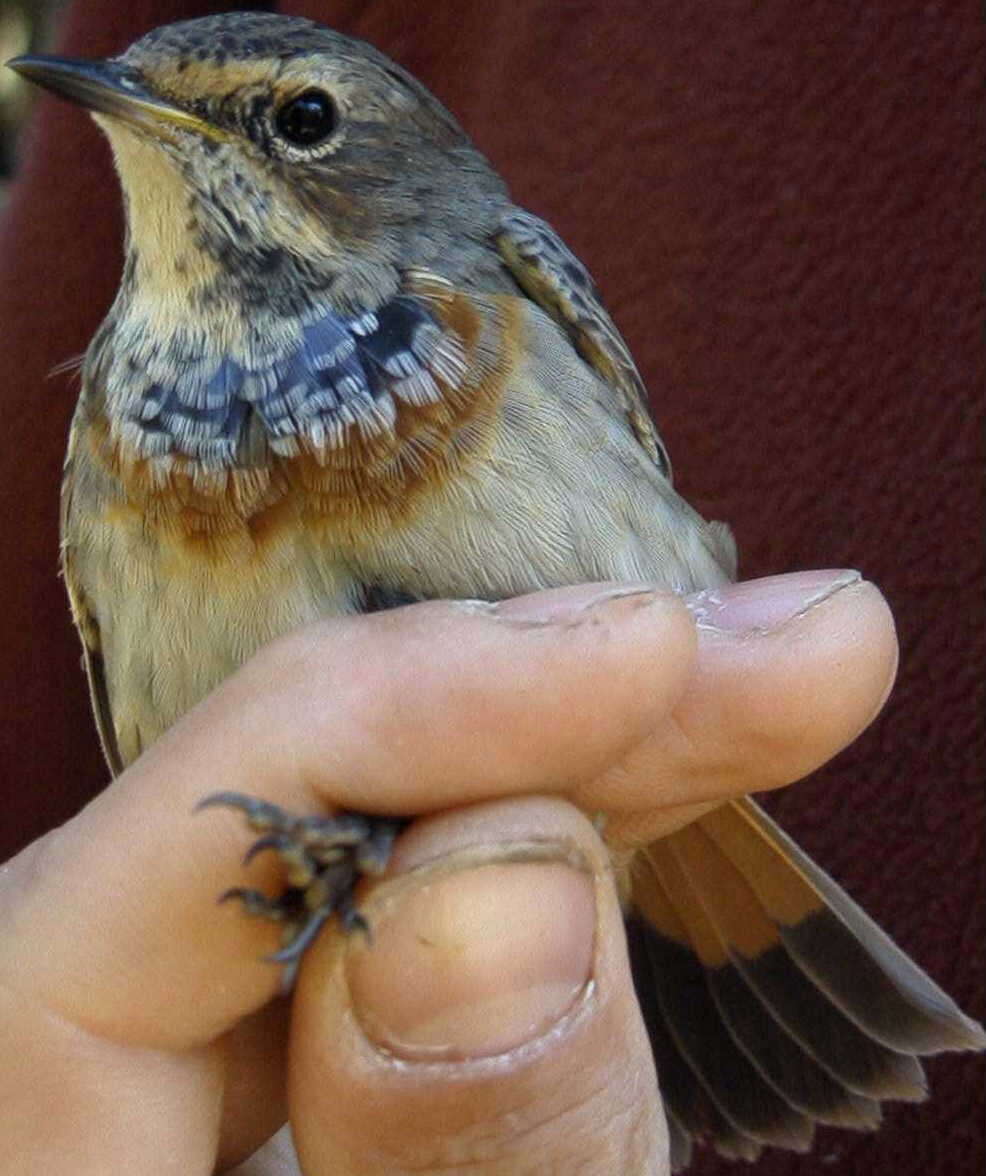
(549, 273)
(88, 629)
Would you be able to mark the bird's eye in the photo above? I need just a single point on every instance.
(307, 119)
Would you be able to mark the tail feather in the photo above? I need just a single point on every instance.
(791, 1070)
(741, 936)
(772, 1001)
(795, 1069)
(859, 965)
(690, 1110)
(686, 1005)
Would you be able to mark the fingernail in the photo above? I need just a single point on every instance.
(758, 606)
(475, 962)
(567, 605)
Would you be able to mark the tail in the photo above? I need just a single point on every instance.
(772, 1001)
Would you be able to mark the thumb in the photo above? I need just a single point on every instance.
(490, 1024)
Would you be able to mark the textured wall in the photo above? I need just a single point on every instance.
(783, 205)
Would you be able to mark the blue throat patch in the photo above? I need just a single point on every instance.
(343, 372)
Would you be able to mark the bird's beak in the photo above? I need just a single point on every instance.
(104, 87)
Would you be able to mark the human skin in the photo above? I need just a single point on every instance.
(490, 1025)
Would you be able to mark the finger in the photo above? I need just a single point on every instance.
(789, 671)
(384, 713)
(117, 927)
(491, 1025)
(74, 1103)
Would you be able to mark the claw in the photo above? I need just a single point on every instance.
(301, 869)
(259, 814)
(215, 799)
(278, 841)
(255, 902)
(303, 940)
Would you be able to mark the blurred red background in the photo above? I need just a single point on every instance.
(783, 205)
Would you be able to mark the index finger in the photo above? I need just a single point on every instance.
(111, 920)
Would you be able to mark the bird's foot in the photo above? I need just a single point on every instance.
(324, 858)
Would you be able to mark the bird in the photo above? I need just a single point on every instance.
(345, 372)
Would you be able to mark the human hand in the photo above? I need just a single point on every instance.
(491, 1024)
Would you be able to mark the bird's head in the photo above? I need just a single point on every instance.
(284, 184)
(269, 161)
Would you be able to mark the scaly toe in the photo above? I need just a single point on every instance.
(324, 859)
